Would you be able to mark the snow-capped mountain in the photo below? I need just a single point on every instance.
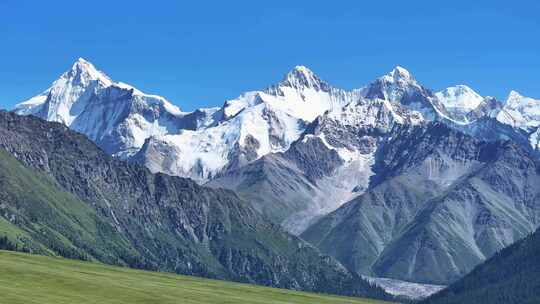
(205, 143)
(523, 114)
(68, 96)
(378, 168)
(116, 116)
(330, 164)
(251, 126)
(459, 100)
(459, 97)
(200, 144)
(399, 86)
(520, 112)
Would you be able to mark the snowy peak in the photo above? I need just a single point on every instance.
(71, 92)
(399, 86)
(460, 97)
(520, 112)
(84, 72)
(68, 95)
(247, 128)
(115, 115)
(514, 98)
(302, 77)
(300, 94)
(399, 74)
(392, 86)
(398, 77)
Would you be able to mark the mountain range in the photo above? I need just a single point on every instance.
(201, 144)
(62, 195)
(392, 179)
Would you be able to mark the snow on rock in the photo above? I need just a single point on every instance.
(534, 139)
(252, 125)
(68, 96)
(301, 94)
(459, 100)
(400, 87)
(354, 132)
(122, 119)
(32, 105)
(115, 115)
(520, 112)
(202, 154)
(127, 122)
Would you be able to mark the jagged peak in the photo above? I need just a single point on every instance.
(300, 71)
(84, 71)
(460, 98)
(399, 70)
(516, 99)
(399, 73)
(83, 61)
(302, 77)
(513, 96)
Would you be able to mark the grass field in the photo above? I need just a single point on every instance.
(26, 278)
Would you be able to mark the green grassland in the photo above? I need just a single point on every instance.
(27, 279)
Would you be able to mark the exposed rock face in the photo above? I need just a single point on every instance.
(302, 148)
(162, 222)
(330, 164)
(440, 203)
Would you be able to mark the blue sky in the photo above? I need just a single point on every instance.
(203, 52)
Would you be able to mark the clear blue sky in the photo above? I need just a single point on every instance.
(203, 52)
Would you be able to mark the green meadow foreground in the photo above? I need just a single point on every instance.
(26, 278)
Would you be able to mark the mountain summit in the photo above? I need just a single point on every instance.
(115, 115)
(460, 97)
(302, 77)
(399, 74)
(67, 96)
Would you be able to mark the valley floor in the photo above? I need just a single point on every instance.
(26, 278)
(414, 291)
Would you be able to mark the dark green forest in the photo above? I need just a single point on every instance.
(512, 276)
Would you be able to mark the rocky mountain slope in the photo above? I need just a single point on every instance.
(253, 125)
(330, 164)
(512, 276)
(63, 195)
(440, 202)
(302, 148)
